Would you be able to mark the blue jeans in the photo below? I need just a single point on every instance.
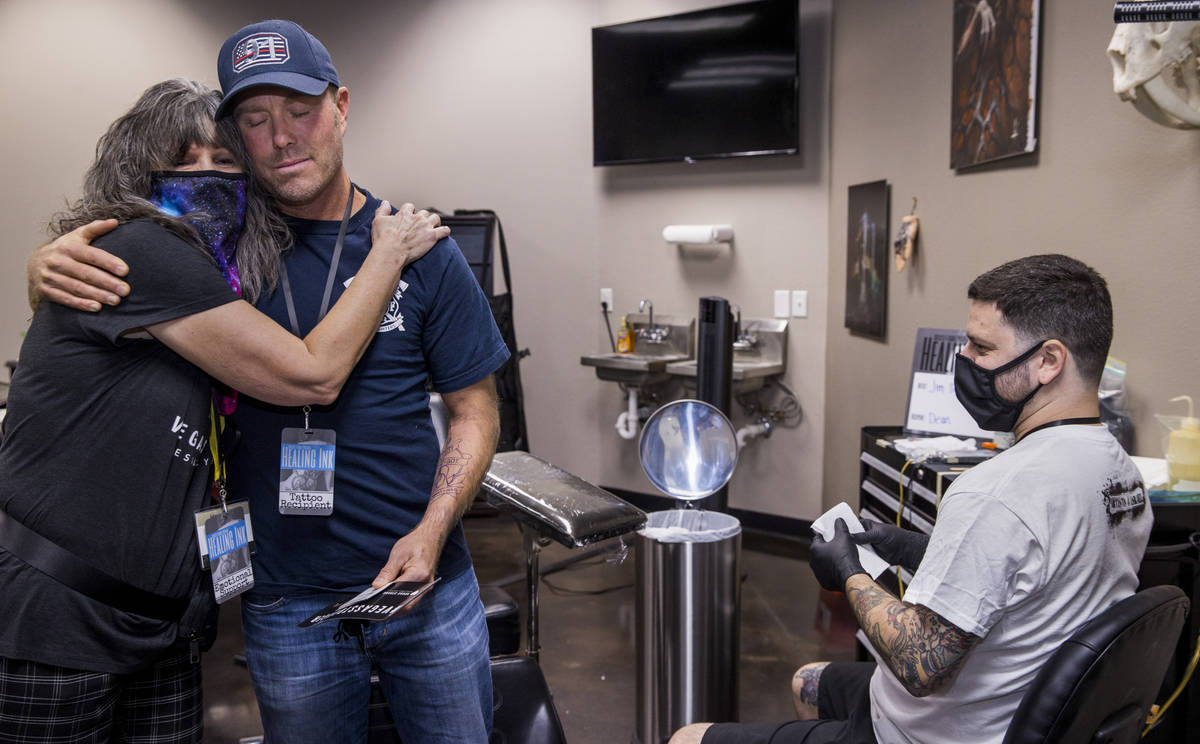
(432, 662)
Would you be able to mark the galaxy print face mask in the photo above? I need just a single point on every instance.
(219, 197)
(220, 200)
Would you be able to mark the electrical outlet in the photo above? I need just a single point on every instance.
(606, 297)
(782, 308)
(799, 303)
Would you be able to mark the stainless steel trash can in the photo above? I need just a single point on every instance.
(688, 611)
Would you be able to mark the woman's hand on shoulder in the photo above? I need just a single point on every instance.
(408, 234)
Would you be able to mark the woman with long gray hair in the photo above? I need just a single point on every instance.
(106, 452)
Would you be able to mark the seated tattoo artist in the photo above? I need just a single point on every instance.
(1027, 546)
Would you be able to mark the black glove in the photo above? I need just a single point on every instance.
(834, 561)
(897, 546)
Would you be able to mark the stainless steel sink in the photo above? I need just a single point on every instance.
(632, 369)
(766, 356)
(647, 365)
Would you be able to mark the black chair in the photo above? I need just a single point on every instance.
(523, 708)
(503, 620)
(1097, 688)
(524, 712)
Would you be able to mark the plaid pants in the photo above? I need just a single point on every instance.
(55, 705)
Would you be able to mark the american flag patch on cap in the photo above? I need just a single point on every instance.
(260, 49)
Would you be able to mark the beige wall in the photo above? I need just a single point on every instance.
(489, 104)
(1108, 186)
(475, 103)
(72, 68)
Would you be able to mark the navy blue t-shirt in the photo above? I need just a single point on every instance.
(439, 327)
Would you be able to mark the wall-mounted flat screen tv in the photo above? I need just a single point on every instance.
(715, 83)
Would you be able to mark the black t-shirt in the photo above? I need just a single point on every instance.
(105, 452)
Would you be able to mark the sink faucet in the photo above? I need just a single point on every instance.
(651, 333)
(746, 341)
(743, 339)
(642, 308)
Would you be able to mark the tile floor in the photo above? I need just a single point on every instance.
(587, 637)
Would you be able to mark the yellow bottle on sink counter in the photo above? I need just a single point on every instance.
(625, 337)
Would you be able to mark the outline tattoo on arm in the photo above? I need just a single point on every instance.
(452, 470)
(921, 648)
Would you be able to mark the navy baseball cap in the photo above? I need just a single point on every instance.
(273, 53)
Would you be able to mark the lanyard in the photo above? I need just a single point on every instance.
(333, 267)
(1064, 422)
(215, 432)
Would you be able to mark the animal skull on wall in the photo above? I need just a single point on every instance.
(1156, 68)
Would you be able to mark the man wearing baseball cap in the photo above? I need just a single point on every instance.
(396, 503)
(273, 53)
(397, 497)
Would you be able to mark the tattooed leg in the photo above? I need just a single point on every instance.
(804, 689)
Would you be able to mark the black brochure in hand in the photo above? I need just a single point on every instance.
(374, 605)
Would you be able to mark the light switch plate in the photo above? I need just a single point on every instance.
(799, 303)
(782, 308)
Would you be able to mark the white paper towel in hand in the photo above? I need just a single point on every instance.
(824, 526)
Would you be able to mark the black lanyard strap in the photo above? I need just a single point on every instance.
(333, 267)
(1064, 422)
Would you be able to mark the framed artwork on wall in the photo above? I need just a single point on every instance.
(867, 259)
(994, 96)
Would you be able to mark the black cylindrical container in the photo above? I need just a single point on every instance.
(714, 370)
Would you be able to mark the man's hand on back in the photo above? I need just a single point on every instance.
(69, 271)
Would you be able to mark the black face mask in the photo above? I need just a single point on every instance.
(976, 390)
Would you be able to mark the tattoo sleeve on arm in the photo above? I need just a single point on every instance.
(921, 648)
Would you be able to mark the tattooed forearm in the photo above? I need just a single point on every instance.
(920, 647)
(453, 470)
(462, 464)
